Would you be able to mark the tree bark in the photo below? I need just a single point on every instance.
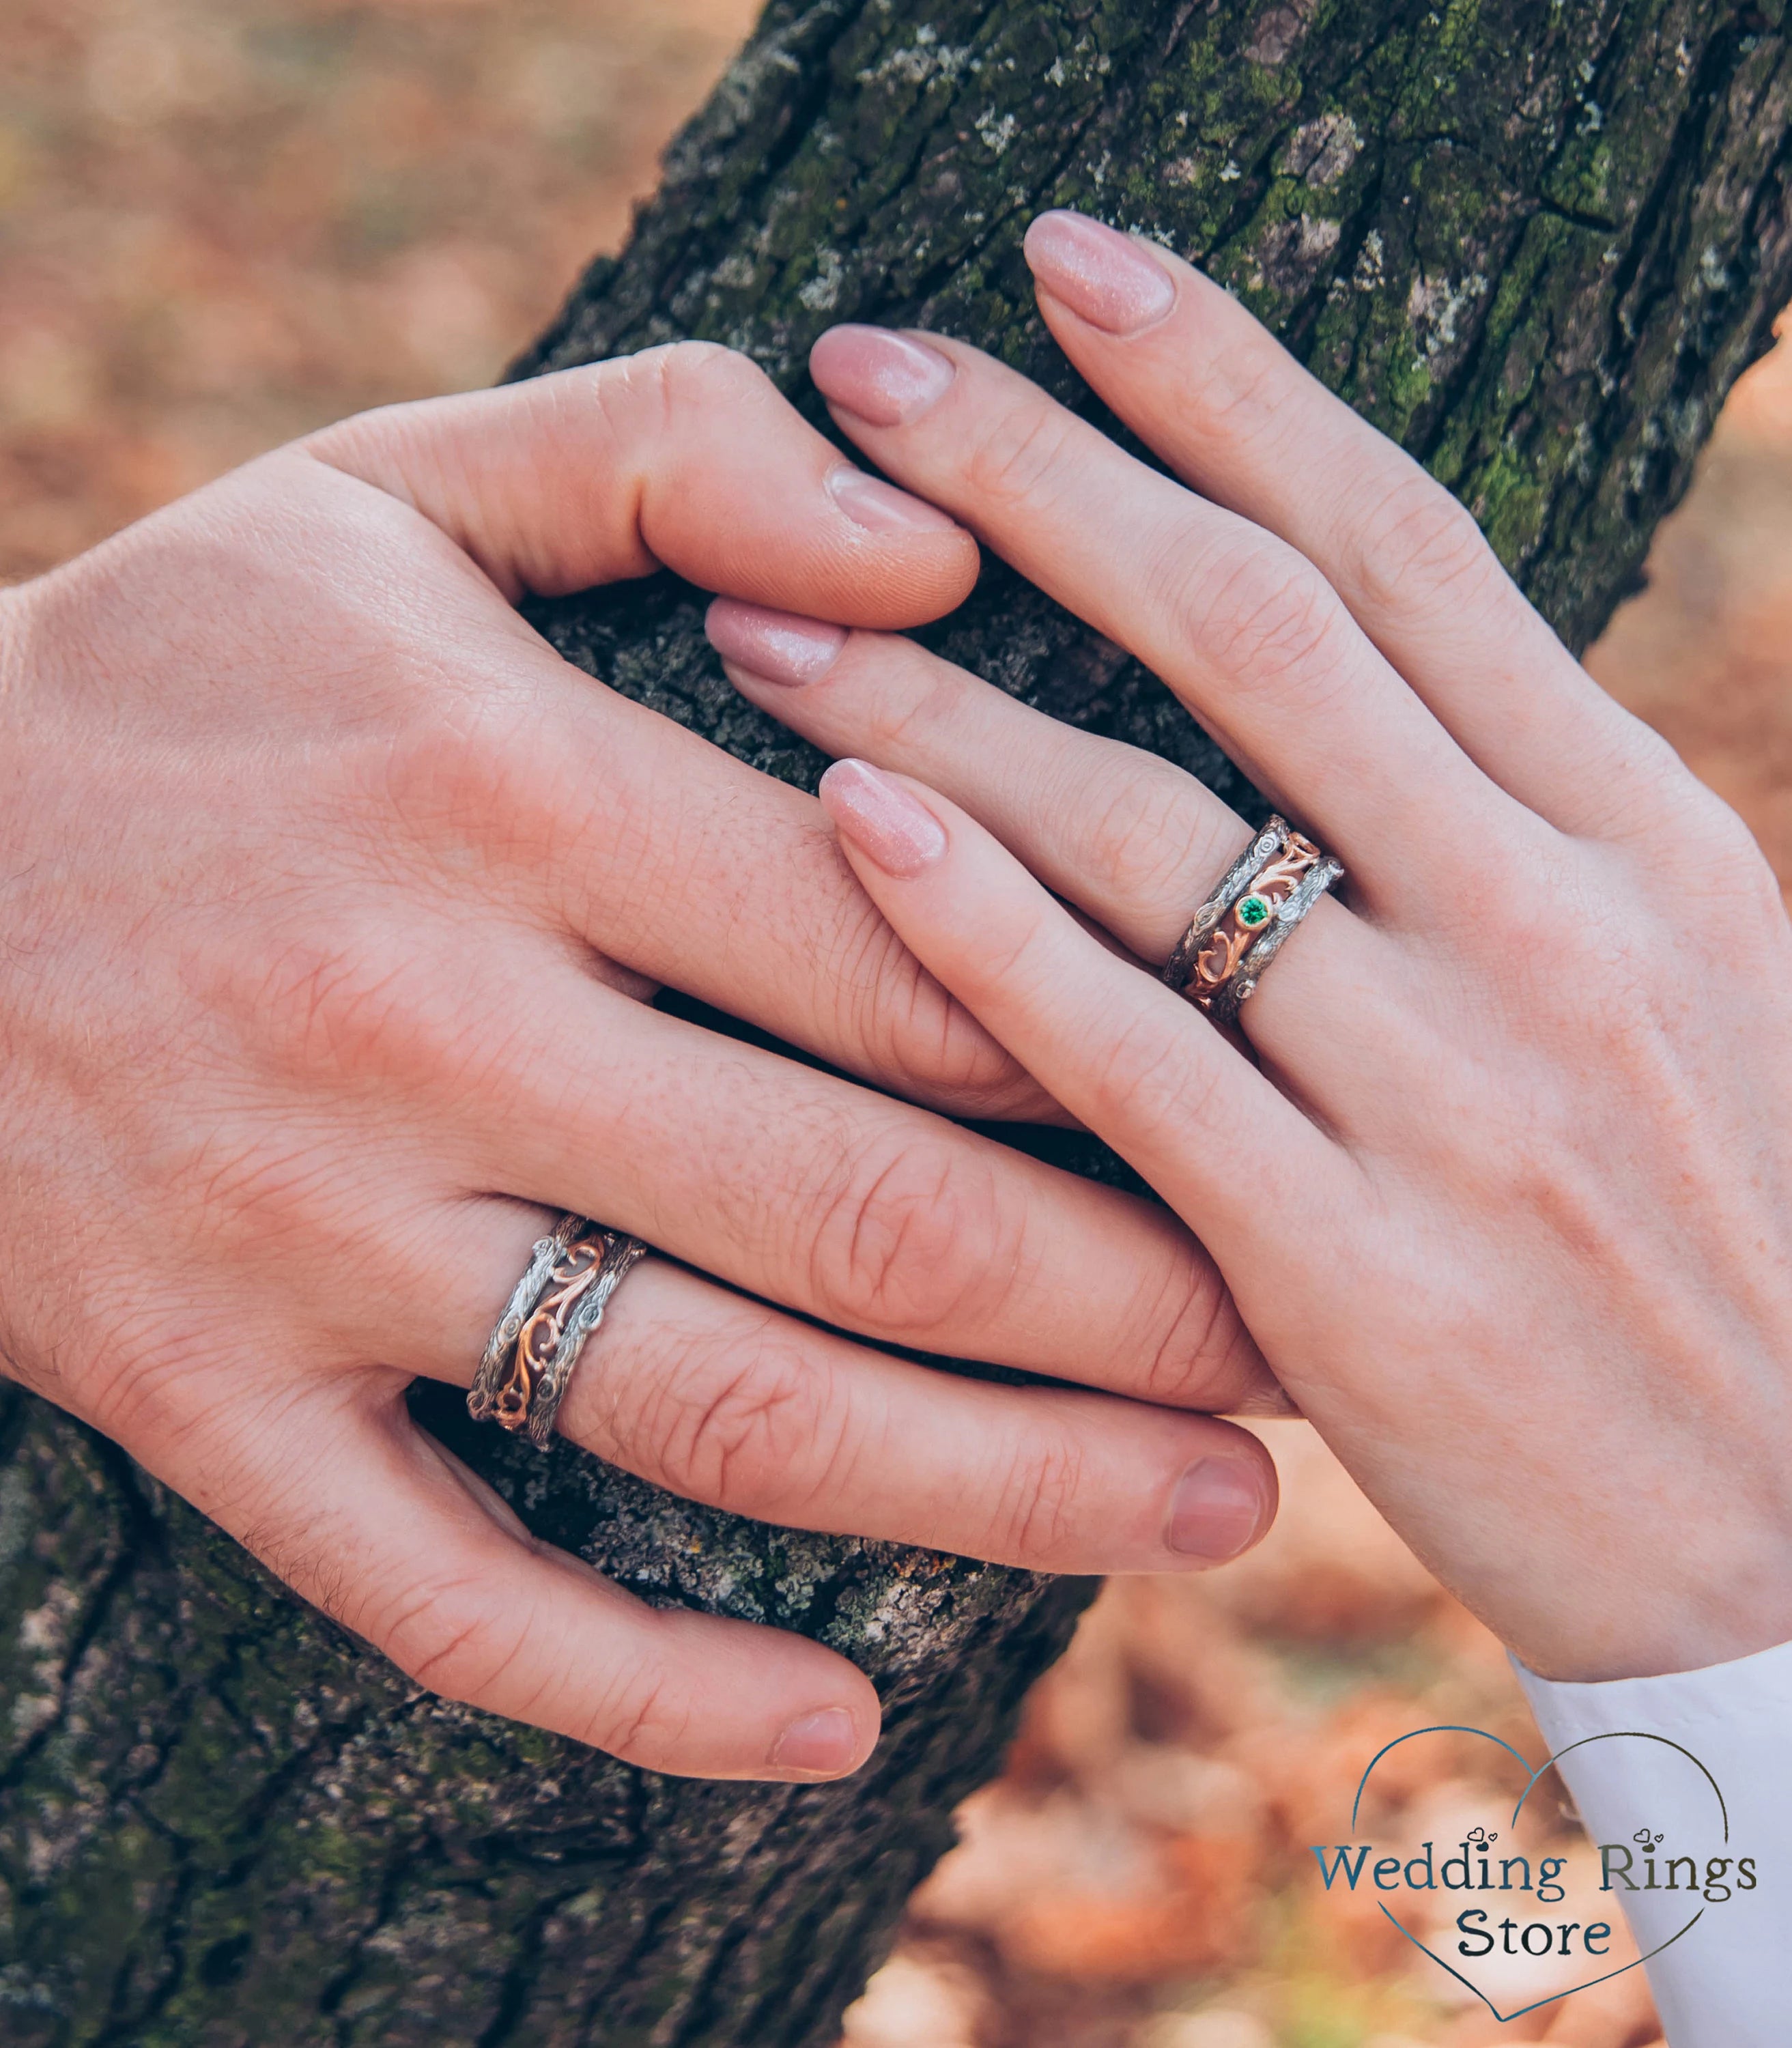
(1535, 241)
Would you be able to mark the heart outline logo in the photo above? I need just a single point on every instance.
(1533, 1777)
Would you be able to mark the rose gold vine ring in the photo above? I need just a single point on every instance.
(1243, 925)
(555, 1308)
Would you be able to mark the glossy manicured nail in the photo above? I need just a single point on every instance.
(884, 378)
(1112, 280)
(881, 508)
(777, 646)
(817, 1745)
(882, 819)
(1216, 1510)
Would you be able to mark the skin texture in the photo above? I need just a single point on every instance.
(335, 902)
(1498, 1174)
(1515, 278)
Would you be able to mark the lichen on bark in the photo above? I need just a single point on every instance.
(1534, 239)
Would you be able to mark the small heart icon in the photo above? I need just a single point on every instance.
(1479, 1839)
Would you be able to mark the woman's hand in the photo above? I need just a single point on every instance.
(330, 899)
(1503, 1191)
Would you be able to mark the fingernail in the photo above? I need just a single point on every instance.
(884, 378)
(778, 646)
(881, 508)
(817, 1745)
(1216, 1510)
(1116, 284)
(882, 819)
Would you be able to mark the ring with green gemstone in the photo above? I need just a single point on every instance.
(1241, 926)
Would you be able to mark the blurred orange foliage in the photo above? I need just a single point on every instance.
(1141, 1875)
(1705, 654)
(223, 224)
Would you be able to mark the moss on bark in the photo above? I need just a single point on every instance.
(1535, 240)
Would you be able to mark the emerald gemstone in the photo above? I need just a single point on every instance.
(1253, 912)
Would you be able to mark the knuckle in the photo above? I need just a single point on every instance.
(1038, 1519)
(1508, 908)
(501, 784)
(640, 1716)
(1515, 917)
(437, 776)
(941, 1044)
(1266, 614)
(348, 1003)
(1723, 843)
(914, 700)
(1638, 787)
(1195, 1352)
(1145, 836)
(1010, 463)
(913, 1238)
(471, 1639)
(1247, 397)
(1753, 878)
(919, 1035)
(1420, 541)
(461, 1637)
(1148, 1073)
(734, 1421)
(233, 1188)
(1022, 952)
(701, 376)
(1540, 1174)
(140, 1386)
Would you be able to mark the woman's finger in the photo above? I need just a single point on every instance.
(683, 457)
(1207, 387)
(1246, 631)
(1132, 1061)
(1128, 838)
(724, 1400)
(367, 1517)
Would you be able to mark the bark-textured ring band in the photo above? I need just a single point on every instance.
(1244, 924)
(528, 1361)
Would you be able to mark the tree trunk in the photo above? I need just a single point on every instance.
(1535, 240)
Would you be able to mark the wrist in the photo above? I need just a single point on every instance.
(1646, 1629)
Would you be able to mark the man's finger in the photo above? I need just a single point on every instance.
(698, 873)
(871, 1215)
(367, 1517)
(683, 457)
(723, 1399)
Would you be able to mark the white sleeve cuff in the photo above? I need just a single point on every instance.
(1727, 1982)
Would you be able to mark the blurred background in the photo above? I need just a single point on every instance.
(224, 222)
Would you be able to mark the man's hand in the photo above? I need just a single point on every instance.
(332, 903)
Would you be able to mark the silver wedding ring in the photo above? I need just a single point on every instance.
(552, 1313)
(1244, 924)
